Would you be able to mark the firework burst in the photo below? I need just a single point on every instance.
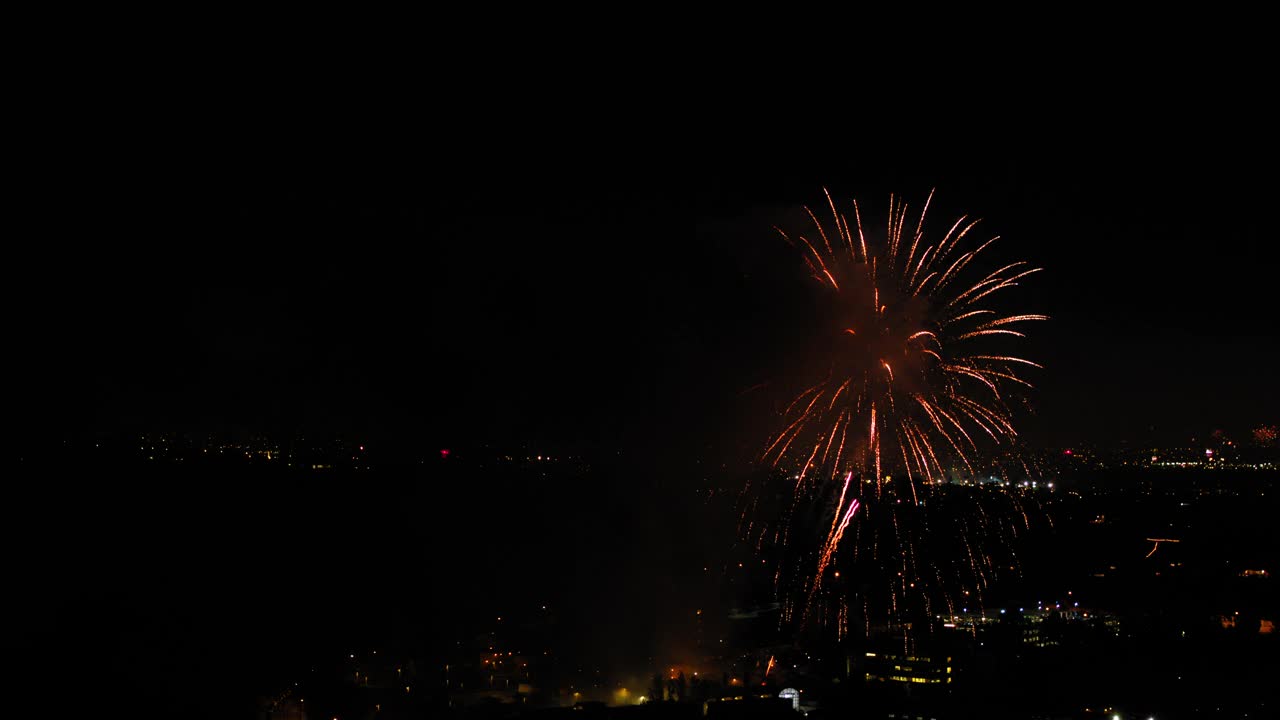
(916, 388)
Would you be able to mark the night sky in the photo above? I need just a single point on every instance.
(507, 291)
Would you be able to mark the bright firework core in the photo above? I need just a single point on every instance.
(876, 327)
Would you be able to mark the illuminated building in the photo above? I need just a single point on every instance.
(793, 695)
(908, 669)
(1034, 632)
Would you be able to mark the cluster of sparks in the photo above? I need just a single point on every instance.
(1265, 435)
(914, 387)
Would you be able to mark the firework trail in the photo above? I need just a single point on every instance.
(915, 388)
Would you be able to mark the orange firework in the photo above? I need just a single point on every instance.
(917, 384)
(912, 377)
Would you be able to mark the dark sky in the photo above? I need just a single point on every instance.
(596, 292)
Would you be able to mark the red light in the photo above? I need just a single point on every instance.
(1068, 452)
(444, 453)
